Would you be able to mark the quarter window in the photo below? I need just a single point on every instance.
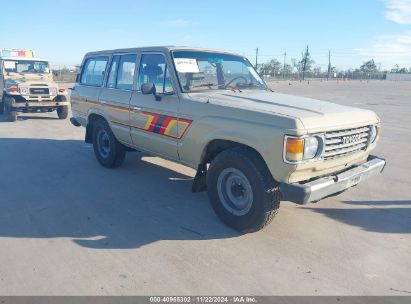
(153, 69)
(93, 71)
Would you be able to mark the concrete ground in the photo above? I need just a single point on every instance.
(70, 227)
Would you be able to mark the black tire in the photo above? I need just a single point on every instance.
(2, 106)
(265, 195)
(12, 115)
(109, 152)
(62, 112)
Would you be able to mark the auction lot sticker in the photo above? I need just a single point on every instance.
(186, 65)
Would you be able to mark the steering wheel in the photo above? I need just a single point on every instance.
(232, 80)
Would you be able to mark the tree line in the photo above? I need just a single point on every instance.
(307, 65)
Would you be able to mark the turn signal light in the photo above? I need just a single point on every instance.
(294, 149)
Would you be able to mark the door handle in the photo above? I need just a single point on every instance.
(137, 109)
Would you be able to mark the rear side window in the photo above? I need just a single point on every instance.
(93, 71)
(125, 75)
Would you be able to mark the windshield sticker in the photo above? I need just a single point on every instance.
(186, 65)
(215, 60)
(9, 65)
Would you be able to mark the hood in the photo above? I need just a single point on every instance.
(315, 115)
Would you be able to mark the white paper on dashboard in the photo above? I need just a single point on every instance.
(186, 65)
(9, 64)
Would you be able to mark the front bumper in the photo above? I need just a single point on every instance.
(327, 186)
(19, 106)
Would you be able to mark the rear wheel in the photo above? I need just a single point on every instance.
(62, 112)
(241, 190)
(109, 152)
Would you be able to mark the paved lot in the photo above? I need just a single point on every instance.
(69, 226)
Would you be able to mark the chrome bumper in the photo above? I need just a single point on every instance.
(333, 184)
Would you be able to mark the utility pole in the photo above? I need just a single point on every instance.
(285, 55)
(256, 56)
(329, 65)
(305, 61)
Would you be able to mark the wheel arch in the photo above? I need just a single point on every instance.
(216, 146)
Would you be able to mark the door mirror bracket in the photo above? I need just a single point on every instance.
(150, 88)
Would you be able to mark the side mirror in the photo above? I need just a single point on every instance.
(150, 88)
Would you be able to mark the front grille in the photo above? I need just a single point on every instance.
(39, 91)
(344, 142)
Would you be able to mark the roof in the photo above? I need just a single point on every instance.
(161, 49)
(22, 58)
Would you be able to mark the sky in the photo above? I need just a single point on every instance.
(353, 30)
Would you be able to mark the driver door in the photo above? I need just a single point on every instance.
(154, 123)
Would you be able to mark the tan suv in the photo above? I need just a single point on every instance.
(27, 86)
(211, 111)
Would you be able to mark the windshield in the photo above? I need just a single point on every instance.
(198, 71)
(26, 66)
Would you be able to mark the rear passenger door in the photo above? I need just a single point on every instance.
(115, 95)
(154, 123)
(85, 94)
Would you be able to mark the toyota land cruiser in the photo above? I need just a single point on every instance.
(211, 111)
(26, 85)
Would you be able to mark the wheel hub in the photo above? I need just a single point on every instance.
(235, 191)
(103, 143)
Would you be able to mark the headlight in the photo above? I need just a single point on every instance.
(374, 132)
(298, 149)
(53, 91)
(11, 89)
(24, 91)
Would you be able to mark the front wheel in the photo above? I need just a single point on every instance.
(109, 152)
(12, 115)
(62, 112)
(241, 190)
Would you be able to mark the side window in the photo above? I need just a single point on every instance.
(125, 75)
(93, 71)
(153, 68)
(112, 76)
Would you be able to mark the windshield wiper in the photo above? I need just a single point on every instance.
(209, 85)
(234, 89)
(246, 84)
(204, 85)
